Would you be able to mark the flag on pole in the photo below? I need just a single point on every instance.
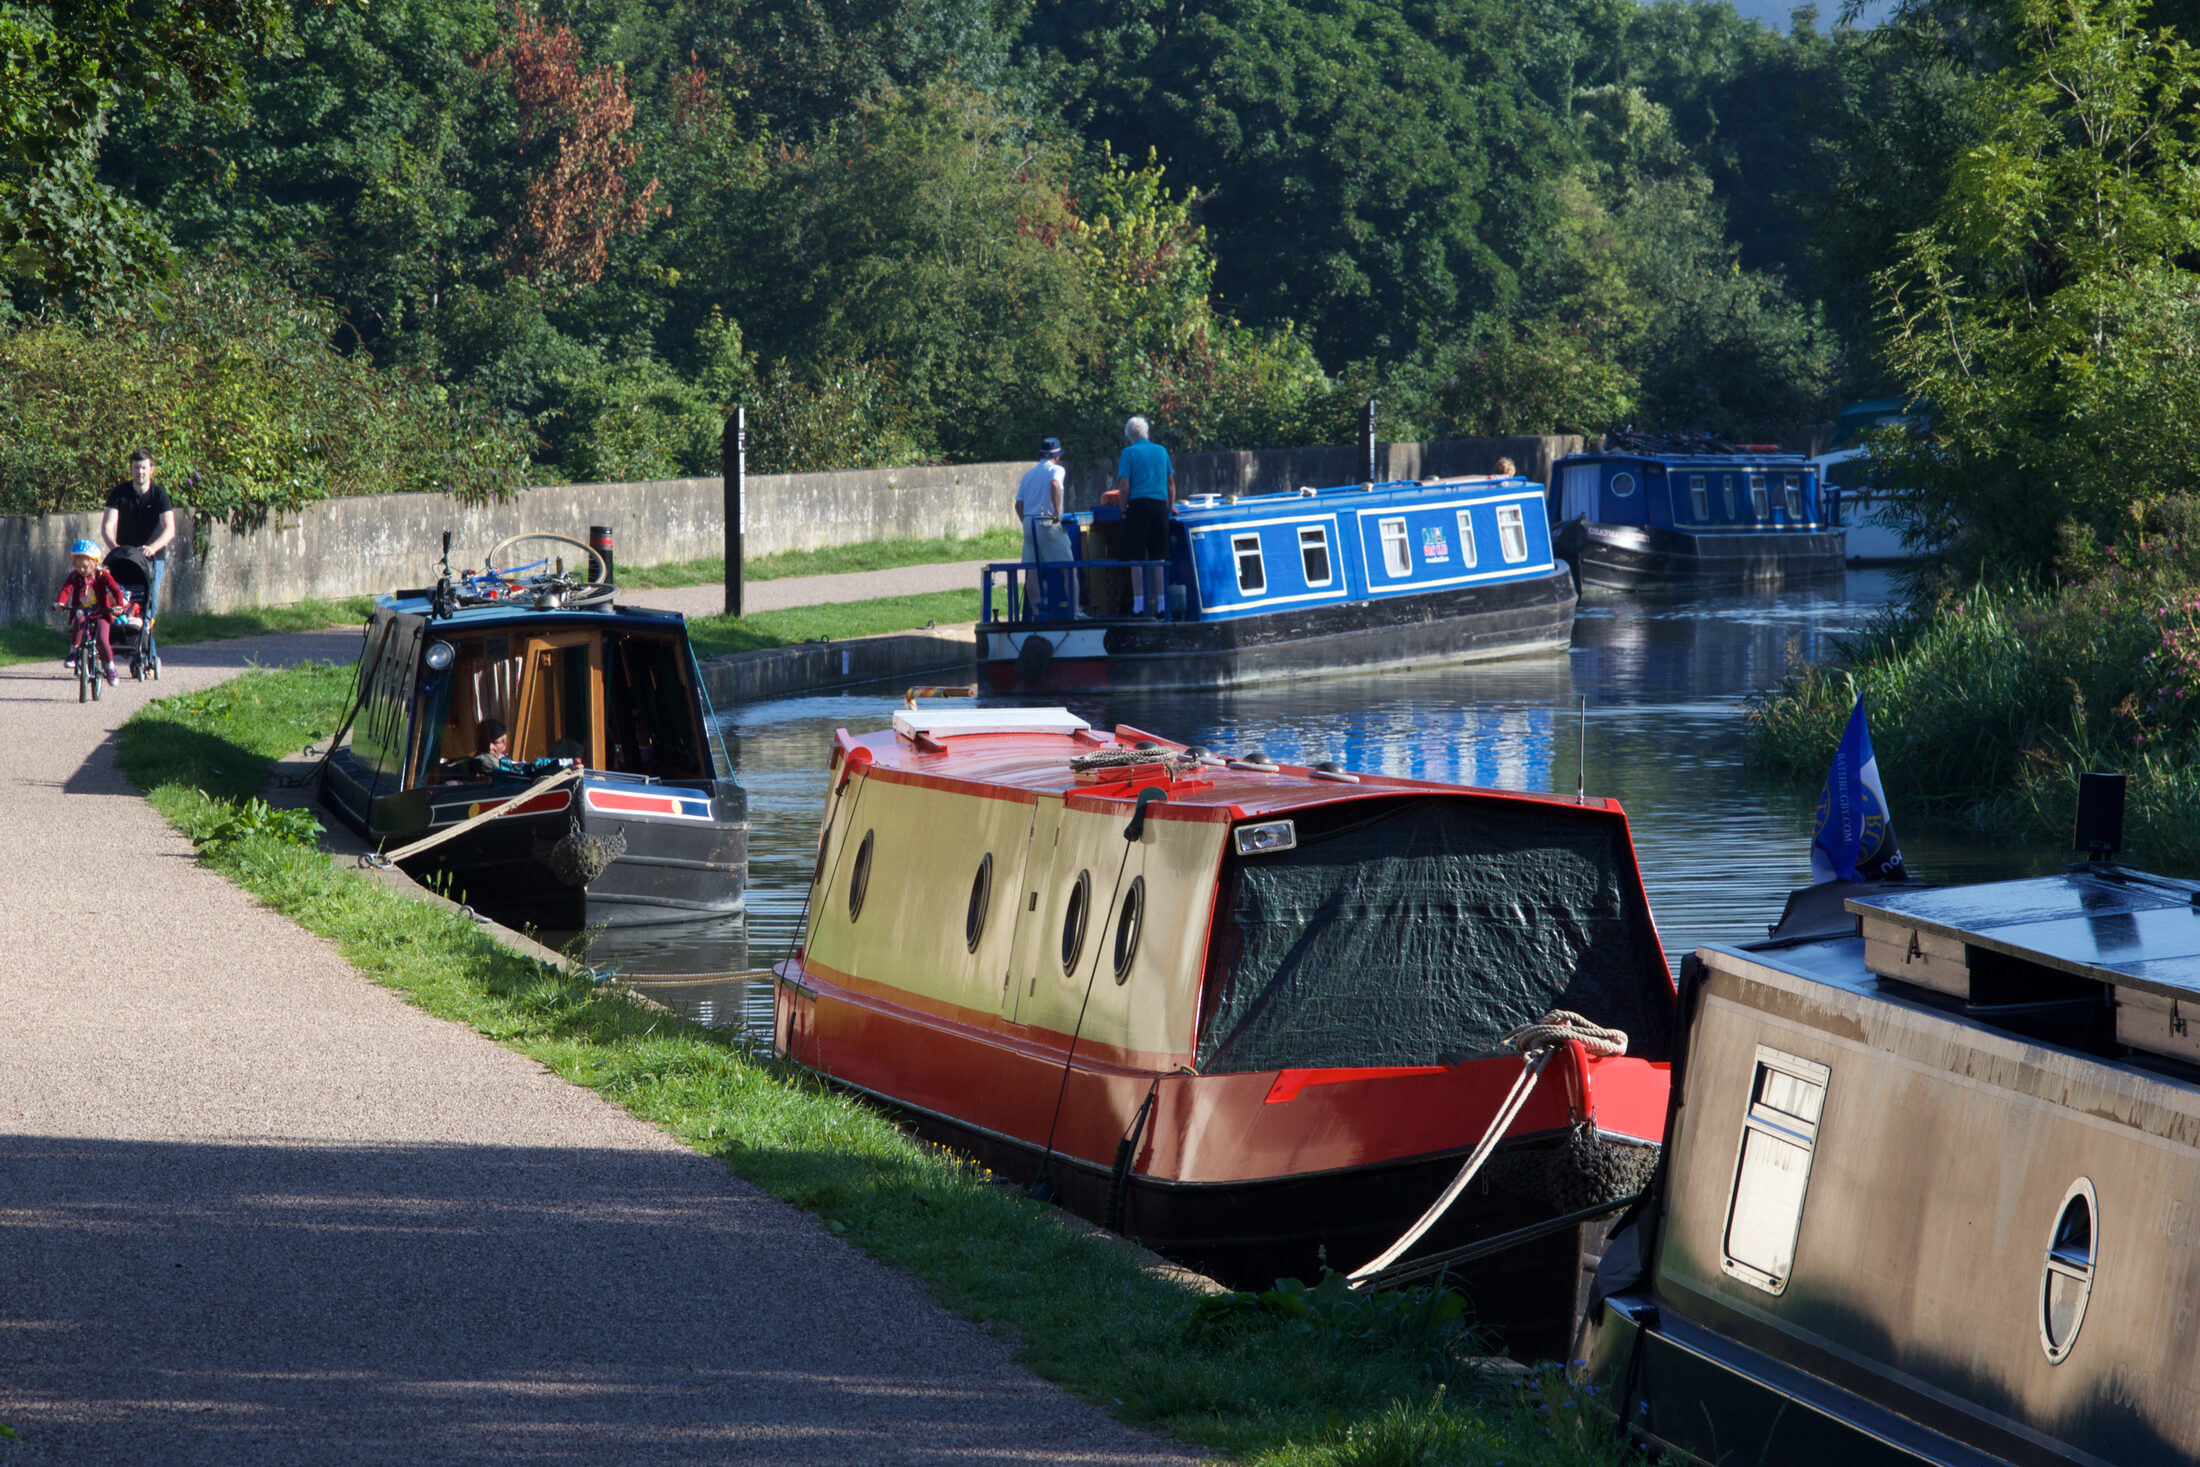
(1854, 836)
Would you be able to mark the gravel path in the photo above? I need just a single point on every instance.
(254, 1208)
(907, 580)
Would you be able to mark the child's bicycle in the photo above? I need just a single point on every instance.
(83, 658)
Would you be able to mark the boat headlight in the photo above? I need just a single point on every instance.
(439, 656)
(1267, 838)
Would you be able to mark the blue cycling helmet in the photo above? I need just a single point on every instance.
(85, 547)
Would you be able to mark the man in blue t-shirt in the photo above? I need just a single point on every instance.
(1147, 482)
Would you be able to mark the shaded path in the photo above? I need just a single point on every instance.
(254, 1208)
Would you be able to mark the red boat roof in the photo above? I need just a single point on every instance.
(1023, 753)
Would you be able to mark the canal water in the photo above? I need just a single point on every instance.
(1665, 681)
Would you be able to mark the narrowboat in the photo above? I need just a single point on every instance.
(1272, 586)
(650, 827)
(1251, 1014)
(1931, 1192)
(1871, 524)
(1710, 516)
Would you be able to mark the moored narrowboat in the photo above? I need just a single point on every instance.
(1272, 586)
(1641, 516)
(1253, 1015)
(1930, 1189)
(646, 824)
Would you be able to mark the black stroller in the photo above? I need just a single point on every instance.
(132, 633)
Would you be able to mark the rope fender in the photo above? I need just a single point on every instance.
(1536, 1042)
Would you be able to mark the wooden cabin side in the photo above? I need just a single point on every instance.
(1882, 1195)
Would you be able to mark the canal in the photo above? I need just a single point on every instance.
(1665, 683)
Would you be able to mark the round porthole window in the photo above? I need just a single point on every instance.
(2068, 1281)
(1128, 923)
(859, 880)
(1623, 484)
(981, 899)
(1073, 920)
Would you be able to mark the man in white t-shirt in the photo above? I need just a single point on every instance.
(1039, 508)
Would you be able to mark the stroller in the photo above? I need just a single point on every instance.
(132, 633)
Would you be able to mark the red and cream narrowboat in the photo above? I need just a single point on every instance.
(1248, 1013)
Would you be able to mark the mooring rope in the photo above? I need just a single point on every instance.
(1537, 1042)
(547, 782)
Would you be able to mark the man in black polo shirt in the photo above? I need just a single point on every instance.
(139, 513)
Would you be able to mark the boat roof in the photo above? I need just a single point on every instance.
(494, 613)
(1023, 753)
(1740, 459)
(1199, 507)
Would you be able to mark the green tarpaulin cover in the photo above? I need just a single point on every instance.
(1419, 933)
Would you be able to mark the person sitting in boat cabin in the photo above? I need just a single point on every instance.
(1038, 506)
(1147, 481)
(92, 596)
(1505, 469)
(494, 758)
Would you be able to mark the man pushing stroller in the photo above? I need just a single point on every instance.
(92, 597)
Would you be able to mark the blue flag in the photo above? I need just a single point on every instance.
(1854, 836)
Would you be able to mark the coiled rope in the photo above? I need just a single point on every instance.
(1536, 1042)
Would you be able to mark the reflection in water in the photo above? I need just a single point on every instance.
(1665, 682)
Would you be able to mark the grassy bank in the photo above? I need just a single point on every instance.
(36, 643)
(1002, 544)
(714, 636)
(1359, 1386)
(1989, 704)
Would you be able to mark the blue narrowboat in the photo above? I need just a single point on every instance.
(622, 806)
(1639, 517)
(1306, 582)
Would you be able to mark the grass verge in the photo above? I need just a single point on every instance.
(715, 636)
(29, 643)
(1001, 544)
(1356, 1387)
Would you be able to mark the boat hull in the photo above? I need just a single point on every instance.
(675, 868)
(1474, 623)
(1614, 557)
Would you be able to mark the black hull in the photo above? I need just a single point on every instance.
(1648, 557)
(1247, 1235)
(671, 871)
(1509, 619)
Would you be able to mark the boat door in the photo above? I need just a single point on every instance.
(1038, 903)
(562, 697)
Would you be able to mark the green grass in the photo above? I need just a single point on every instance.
(34, 643)
(1272, 1391)
(716, 635)
(1002, 544)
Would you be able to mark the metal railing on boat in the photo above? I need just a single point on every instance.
(1020, 577)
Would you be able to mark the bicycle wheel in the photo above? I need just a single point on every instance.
(96, 680)
(83, 679)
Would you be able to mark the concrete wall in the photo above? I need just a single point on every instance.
(362, 546)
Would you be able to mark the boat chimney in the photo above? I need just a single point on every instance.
(2100, 815)
(599, 540)
(1367, 443)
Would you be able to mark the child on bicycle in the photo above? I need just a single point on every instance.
(92, 597)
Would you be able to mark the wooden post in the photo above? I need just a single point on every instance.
(736, 466)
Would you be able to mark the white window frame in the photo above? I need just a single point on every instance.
(1397, 548)
(1767, 1176)
(1240, 545)
(1466, 540)
(1726, 485)
(1760, 499)
(1623, 484)
(1794, 487)
(1512, 533)
(1699, 499)
(1316, 537)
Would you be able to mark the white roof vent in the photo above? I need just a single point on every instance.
(948, 723)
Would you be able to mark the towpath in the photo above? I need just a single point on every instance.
(254, 1208)
(907, 580)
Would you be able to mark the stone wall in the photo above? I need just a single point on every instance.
(361, 546)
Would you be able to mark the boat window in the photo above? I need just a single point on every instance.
(1250, 578)
(2069, 1281)
(859, 880)
(1772, 1174)
(1073, 921)
(1397, 555)
(1314, 553)
(1795, 498)
(1700, 496)
(1726, 484)
(650, 708)
(1623, 485)
(1466, 538)
(1128, 924)
(981, 899)
(1760, 503)
(1512, 534)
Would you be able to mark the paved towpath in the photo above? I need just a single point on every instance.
(254, 1208)
(907, 580)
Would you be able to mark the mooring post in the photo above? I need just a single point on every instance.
(599, 540)
(1367, 444)
(736, 464)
